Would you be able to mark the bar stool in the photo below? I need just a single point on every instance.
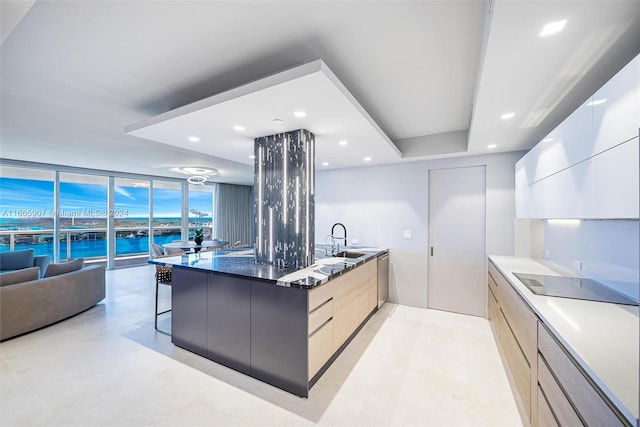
(163, 277)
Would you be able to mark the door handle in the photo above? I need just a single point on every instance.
(431, 250)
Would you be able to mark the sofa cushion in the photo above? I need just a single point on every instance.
(16, 260)
(42, 261)
(65, 267)
(19, 276)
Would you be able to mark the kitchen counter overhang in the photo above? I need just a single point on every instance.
(241, 264)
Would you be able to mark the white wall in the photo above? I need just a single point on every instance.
(608, 251)
(529, 238)
(378, 203)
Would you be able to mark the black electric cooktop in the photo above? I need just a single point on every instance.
(572, 287)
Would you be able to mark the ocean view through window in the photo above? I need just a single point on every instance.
(200, 208)
(26, 204)
(83, 214)
(28, 217)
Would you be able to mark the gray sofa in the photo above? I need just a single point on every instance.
(32, 304)
(25, 258)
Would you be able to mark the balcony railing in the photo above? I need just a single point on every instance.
(88, 243)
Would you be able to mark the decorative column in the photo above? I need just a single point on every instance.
(284, 198)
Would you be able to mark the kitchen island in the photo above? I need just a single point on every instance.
(281, 326)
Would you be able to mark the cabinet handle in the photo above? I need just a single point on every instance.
(431, 250)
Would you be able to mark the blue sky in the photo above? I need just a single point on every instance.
(23, 194)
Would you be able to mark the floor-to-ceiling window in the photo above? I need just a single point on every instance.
(201, 210)
(83, 216)
(101, 216)
(26, 209)
(167, 211)
(131, 220)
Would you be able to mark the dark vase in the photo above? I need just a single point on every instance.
(198, 240)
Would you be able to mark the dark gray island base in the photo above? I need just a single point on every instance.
(251, 326)
(283, 335)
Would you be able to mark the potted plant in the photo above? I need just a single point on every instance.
(198, 237)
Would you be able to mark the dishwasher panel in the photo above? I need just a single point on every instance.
(383, 279)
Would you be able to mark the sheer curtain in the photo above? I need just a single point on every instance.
(233, 213)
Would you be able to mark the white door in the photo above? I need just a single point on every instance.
(457, 240)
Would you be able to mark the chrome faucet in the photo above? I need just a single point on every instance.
(339, 238)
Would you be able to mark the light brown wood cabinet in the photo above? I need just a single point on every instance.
(515, 327)
(562, 413)
(337, 309)
(550, 388)
(545, 414)
(320, 349)
(577, 398)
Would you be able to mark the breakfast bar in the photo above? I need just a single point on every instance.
(281, 326)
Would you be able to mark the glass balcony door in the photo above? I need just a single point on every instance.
(131, 221)
(82, 217)
(201, 210)
(27, 209)
(167, 212)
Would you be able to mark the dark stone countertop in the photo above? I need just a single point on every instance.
(241, 263)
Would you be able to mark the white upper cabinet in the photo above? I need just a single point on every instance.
(575, 136)
(569, 143)
(616, 108)
(587, 167)
(615, 183)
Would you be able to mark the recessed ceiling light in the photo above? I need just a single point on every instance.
(547, 140)
(299, 114)
(277, 121)
(239, 128)
(343, 142)
(252, 156)
(552, 28)
(367, 159)
(325, 163)
(194, 139)
(491, 146)
(596, 102)
(507, 116)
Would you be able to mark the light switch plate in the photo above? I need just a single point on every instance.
(407, 234)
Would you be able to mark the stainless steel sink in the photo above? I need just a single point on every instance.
(348, 254)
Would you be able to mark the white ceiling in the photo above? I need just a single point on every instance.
(331, 114)
(434, 75)
(543, 80)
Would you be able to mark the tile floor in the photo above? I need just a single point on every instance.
(107, 366)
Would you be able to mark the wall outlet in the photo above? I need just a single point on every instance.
(354, 241)
(577, 265)
(407, 234)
